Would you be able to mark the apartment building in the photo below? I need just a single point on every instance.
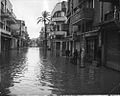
(58, 27)
(22, 32)
(110, 33)
(7, 18)
(13, 32)
(92, 31)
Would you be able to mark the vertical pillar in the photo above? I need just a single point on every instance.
(55, 45)
(82, 64)
(103, 57)
(67, 47)
(0, 42)
(61, 48)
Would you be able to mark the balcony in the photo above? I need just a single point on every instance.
(60, 33)
(62, 18)
(5, 31)
(83, 14)
(15, 33)
(9, 16)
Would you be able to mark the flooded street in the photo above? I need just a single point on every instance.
(31, 72)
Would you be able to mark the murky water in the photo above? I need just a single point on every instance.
(33, 72)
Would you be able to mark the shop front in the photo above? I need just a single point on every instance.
(112, 45)
(5, 42)
(93, 50)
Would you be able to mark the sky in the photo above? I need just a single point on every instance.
(30, 10)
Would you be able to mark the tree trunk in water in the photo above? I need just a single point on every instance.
(45, 37)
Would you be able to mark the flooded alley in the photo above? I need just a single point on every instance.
(34, 72)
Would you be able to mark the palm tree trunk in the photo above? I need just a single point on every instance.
(45, 36)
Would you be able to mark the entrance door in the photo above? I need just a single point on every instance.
(57, 45)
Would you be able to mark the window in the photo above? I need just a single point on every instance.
(2, 7)
(62, 14)
(90, 4)
(58, 28)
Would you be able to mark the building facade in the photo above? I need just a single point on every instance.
(110, 33)
(88, 20)
(7, 18)
(13, 32)
(58, 27)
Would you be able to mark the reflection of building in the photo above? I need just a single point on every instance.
(58, 27)
(94, 30)
(10, 28)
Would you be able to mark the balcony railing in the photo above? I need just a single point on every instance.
(5, 31)
(15, 33)
(8, 15)
(61, 18)
(60, 33)
(85, 13)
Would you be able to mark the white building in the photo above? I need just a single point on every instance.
(7, 18)
(58, 27)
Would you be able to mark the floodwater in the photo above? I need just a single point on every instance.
(35, 72)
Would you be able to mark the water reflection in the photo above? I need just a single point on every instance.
(33, 71)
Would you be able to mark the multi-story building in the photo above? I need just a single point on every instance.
(58, 27)
(7, 18)
(22, 33)
(88, 20)
(110, 33)
(13, 33)
(82, 27)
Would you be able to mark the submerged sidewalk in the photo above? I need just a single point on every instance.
(90, 79)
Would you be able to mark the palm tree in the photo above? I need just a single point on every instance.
(44, 18)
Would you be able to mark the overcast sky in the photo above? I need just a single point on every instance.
(30, 10)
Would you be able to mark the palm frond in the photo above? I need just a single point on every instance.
(47, 19)
(39, 18)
